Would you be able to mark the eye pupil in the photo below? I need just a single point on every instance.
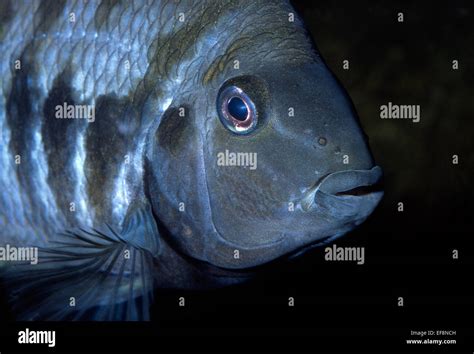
(237, 108)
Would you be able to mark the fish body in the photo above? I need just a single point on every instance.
(127, 129)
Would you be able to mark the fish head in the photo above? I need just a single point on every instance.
(277, 162)
(267, 156)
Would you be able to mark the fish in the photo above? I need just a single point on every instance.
(167, 145)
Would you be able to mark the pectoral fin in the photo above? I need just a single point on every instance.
(87, 275)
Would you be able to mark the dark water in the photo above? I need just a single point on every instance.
(408, 254)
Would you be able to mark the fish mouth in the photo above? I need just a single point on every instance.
(346, 184)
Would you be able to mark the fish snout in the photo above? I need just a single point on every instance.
(346, 193)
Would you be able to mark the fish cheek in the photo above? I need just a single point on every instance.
(173, 130)
(176, 190)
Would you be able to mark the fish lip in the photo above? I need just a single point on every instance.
(337, 183)
(345, 184)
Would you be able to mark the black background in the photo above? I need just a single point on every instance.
(344, 306)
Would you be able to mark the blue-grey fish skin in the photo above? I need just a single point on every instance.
(138, 180)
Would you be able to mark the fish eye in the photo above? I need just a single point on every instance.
(236, 110)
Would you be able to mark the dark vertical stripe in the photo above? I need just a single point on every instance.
(48, 14)
(59, 139)
(6, 15)
(109, 139)
(21, 121)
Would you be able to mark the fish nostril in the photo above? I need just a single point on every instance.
(320, 142)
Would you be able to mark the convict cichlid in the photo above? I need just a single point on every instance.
(114, 116)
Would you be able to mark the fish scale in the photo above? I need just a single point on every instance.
(72, 38)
